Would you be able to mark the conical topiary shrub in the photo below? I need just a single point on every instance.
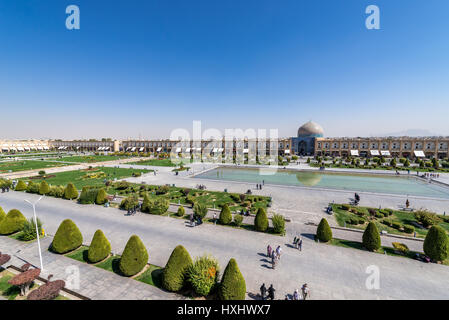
(44, 188)
(436, 244)
(324, 232)
(102, 197)
(21, 186)
(261, 220)
(70, 192)
(2, 214)
(146, 203)
(371, 237)
(13, 222)
(233, 286)
(175, 270)
(225, 215)
(181, 211)
(99, 248)
(67, 238)
(134, 257)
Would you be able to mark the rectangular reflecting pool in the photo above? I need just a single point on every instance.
(404, 185)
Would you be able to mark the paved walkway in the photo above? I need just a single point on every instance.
(95, 283)
(331, 272)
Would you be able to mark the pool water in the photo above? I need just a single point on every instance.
(404, 185)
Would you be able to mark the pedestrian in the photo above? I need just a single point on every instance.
(269, 251)
(273, 260)
(295, 242)
(296, 295)
(305, 291)
(271, 291)
(215, 218)
(278, 252)
(263, 182)
(300, 244)
(263, 291)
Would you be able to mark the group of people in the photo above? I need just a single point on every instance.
(275, 255)
(132, 211)
(297, 242)
(5, 189)
(269, 293)
(196, 220)
(432, 175)
(258, 186)
(356, 198)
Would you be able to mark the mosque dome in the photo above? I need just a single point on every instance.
(310, 129)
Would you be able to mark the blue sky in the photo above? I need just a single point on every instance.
(148, 67)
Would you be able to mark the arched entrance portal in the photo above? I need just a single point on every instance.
(302, 148)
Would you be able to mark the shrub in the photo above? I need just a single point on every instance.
(233, 286)
(159, 206)
(29, 230)
(2, 214)
(162, 190)
(278, 224)
(200, 210)
(134, 257)
(70, 192)
(371, 237)
(436, 244)
(130, 202)
(235, 197)
(409, 229)
(102, 197)
(346, 207)
(387, 222)
(238, 220)
(426, 218)
(56, 191)
(67, 238)
(324, 232)
(175, 271)
(32, 187)
(181, 211)
(396, 225)
(88, 195)
(48, 291)
(99, 248)
(400, 247)
(12, 223)
(21, 186)
(44, 188)
(203, 275)
(225, 215)
(261, 220)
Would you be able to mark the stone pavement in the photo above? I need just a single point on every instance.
(95, 283)
(331, 272)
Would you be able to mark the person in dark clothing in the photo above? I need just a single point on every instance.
(263, 291)
(271, 291)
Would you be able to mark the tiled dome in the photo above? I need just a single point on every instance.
(310, 129)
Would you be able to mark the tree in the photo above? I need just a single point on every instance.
(48, 291)
(233, 286)
(371, 237)
(324, 232)
(200, 210)
(261, 220)
(407, 163)
(70, 192)
(4, 258)
(278, 224)
(181, 211)
(99, 248)
(21, 186)
(24, 279)
(225, 215)
(67, 238)
(393, 163)
(436, 244)
(435, 163)
(12, 223)
(146, 203)
(174, 276)
(102, 197)
(44, 188)
(134, 257)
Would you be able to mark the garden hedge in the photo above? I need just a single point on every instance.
(174, 276)
(70, 192)
(371, 237)
(21, 186)
(99, 248)
(233, 286)
(13, 222)
(67, 238)
(225, 215)
(324, 232)
(134, 257)
(436, 244)
(261, 220)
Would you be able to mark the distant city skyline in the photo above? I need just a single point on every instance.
(146, 68)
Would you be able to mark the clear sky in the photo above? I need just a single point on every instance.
(147, 67)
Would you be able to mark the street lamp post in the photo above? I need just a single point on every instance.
(37, 230)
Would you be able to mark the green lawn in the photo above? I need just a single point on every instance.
(89, 177)
(92, 158)
(156, 162)
(23, 165)
(80, 254)
(6, 290)
(152, 276)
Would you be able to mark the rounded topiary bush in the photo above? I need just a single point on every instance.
(174, 277)
(181, 211)
(99, 248)
(233, 286)
(44, 188)
(2, 214)
(203, 275)
(200, 210)
(12, 222)
(21, 186)
(324, 232)
(278, 224)
(70, 192)
(261, 220)
(134, 257)
(371, 237)
(238, 220)
(225, 215)
(102, 197)
(67, 238)
(159, 206)
(436, 244)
